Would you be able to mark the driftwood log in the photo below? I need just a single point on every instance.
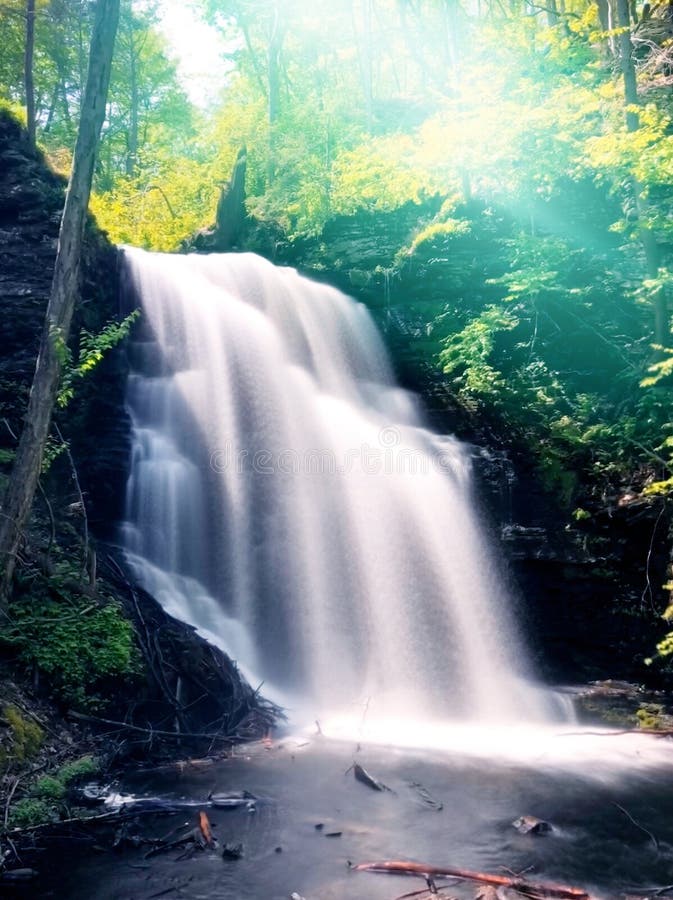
(363, 776)
(537, 890)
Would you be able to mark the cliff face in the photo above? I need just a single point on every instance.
(177, 676)
(31, 201)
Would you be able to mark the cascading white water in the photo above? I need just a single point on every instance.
(286, 499)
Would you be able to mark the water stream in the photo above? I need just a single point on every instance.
(286, 498)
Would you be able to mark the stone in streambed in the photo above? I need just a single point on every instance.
(531, 825)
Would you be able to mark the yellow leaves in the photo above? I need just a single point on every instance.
(159, 215)
(659, 488)
(380, 174)
(60, 160)
(661, 369)
(440, 230)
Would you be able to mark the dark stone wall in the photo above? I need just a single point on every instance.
(31, 202)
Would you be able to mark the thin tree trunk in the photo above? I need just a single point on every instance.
(52, 109)
(132, 142)
(22, 484)
(29, 84)
(273, 79)
(552, 13)
(273, 69)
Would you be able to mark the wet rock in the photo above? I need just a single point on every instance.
(233, 800)
(531, 825)
(232, 851)
(92, 793)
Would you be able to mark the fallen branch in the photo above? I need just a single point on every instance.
(120, 815)
(192, 837)
(10, 796)
(154, 732)
(656, 732)
(638, 825)
(423, 870)
(363, 776)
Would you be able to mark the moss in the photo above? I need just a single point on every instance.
(83, 767)
(29, 811)
(15, 110)
(48, 788)
(46, 796)
(77, 643)
(649, 716)
(25, 737)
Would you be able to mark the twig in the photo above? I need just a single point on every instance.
(155, 187)
(66, 448)
(648, 584)
(52, 520)
(9, 798)
(653, 732)
(638, 825)
(120, 815)
(153, 731)
(556, 12)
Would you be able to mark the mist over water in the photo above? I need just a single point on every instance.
(286, 499)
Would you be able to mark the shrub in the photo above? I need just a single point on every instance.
(75, 642)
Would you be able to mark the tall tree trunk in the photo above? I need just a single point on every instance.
(64, 289)
(647, 236)
(273, 79)
(28, 70)
(132, 139)
(552, 13)
(368, 65)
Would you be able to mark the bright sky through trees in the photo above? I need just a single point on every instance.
(198, 48)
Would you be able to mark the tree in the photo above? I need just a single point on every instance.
(647, 236)
(28, 70)
(25, 472)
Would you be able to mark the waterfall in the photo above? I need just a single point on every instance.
(286, 499)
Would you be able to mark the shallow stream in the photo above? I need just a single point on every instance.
(609, 800)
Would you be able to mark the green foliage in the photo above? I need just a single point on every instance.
(30, 811)
(48, 788)
(467, 355)
(52, 788)
(46, 795)
(661, 369)
(92, 350)
(84, 767)
(75, 642)
(440, 232)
